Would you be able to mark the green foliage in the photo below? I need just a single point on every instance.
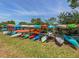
(73, 3)
(51, 21)
(36, 21)
(69, 17)
(11, 22)
(23, 23)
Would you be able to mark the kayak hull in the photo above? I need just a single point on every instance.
(44, 38)
(37, 37)
(16, 35)
(26, 36)
(71, 40)
(5, 32)
(59, 40)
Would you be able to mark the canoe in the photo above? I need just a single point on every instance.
(71, 40)
(16, 35)
(59, 40)
(5, 32)
(44, 38)
(37, 37)
(26, 36)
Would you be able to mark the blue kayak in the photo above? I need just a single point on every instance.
(77, 38)
(17, 27)
(51, 26)
(37, 37)
(71, 40)
(37, 26)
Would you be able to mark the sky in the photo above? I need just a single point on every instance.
(24, 10)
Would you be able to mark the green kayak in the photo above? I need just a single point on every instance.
(71, 26)
(26, 36)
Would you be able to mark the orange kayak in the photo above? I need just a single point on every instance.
(22, 31)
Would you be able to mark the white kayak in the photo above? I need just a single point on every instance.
(5, 32)
(50, 34)
(15, 35)
(60, 40)
(44, 38)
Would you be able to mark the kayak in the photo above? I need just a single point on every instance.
(17, 27)
(11, 33)
(21, 35)
(62, 26)
(4, 29)
(32, 36)
(16, 35)
(5, 32)
(76, 38)
(50, 34)
(44, 38)
(71, 26)
(37, 26)
(22, 31)
(59, 40)
(36, 37)
(51, 26)
(71, 40)
(26, 36)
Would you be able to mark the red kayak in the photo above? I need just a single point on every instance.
(32, 36)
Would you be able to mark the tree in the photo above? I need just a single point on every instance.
(11, 22)
(69, 17)
(73, 3)
(36, 21)
(52, 20)
(23, 23)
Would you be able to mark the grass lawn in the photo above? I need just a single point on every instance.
(18, 47)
